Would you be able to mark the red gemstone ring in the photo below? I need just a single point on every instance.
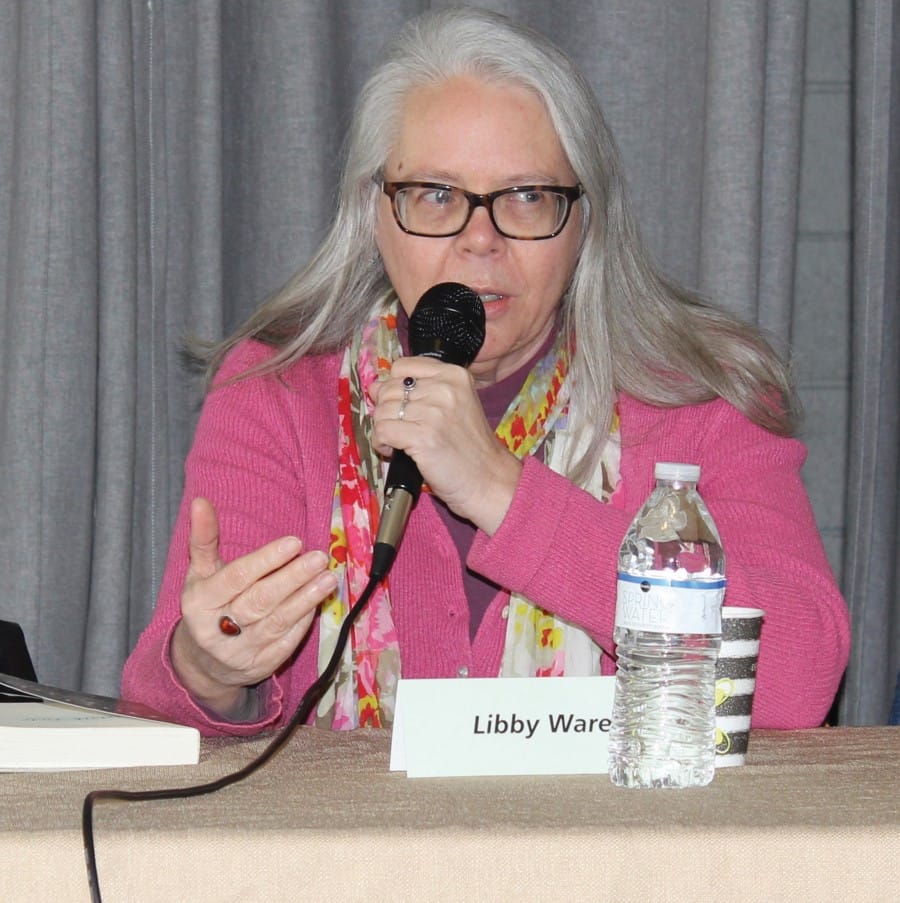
(229, 626)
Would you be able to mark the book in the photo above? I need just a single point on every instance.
(51, 729)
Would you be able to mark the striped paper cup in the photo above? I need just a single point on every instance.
(735, 682)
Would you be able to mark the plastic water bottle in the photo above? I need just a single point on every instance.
(668, 630)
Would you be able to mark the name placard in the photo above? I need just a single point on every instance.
(492, 726)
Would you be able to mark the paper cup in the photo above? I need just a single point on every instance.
(735, 682)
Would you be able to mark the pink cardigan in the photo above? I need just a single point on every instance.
(265, 454)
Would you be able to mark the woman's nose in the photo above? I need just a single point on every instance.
(480, 235)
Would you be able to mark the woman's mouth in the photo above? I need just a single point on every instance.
(496, 304)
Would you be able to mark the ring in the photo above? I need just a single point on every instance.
(229, 626)
(409, 383)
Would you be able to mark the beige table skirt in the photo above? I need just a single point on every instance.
(814, 815)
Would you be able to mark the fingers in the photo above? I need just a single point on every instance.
(204, 539)
(270, 596)
(420, 392)
(244, 575)
(279, 597)
(286, 623)
(266, 598)
(445, 431)
(251, 587)
(274, 614)
(277, 576)
(418, 367)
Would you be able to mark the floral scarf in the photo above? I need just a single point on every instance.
(537, 642)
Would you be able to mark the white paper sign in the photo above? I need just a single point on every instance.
(474, 726)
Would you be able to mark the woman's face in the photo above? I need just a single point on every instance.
(482, 137)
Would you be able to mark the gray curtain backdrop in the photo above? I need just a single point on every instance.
(165, 164)
(873, 488)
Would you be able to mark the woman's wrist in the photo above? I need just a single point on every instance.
(232, 703)
(244, 710)
(495, 500)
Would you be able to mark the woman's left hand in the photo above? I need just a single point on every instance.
(444, 430)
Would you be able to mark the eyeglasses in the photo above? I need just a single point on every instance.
(526, 212)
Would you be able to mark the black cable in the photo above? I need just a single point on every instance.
(303, 711)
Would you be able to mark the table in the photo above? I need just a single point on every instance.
(814, 815)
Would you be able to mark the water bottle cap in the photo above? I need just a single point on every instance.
(684, 473)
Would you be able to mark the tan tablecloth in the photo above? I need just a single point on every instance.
(814, 815)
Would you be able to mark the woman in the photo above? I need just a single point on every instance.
(508, 566)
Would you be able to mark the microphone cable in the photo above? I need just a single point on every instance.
(304, 708)
(448, 324)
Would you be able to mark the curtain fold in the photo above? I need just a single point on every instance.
(754, 82)
(183, 149)
(165, 165)
(51, 235)
(872, 549)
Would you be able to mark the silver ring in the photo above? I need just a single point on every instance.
(409, 383)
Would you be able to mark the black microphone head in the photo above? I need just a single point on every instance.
(448, 323)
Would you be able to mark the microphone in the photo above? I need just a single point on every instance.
(448, 325)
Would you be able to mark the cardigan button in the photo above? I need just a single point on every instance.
(505, 613)
(462, 671)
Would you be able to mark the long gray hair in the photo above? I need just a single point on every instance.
(633, 330)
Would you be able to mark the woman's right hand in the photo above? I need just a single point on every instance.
(271, 593)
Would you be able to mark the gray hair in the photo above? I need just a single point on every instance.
(634, 331)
